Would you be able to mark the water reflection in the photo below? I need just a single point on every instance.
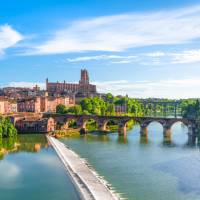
(187, 182)
(144, 140)
(93, 137)
(31, 143)
(22, 143)
(32, 170)
(122, 139)
(177, 139)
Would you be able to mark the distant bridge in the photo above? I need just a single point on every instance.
(122, 121)
(152, 104)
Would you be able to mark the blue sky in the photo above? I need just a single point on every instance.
(140, 48)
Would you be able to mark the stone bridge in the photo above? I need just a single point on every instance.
(102, 121)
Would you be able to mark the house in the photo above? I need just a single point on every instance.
(35, 125)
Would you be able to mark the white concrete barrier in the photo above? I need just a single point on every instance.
(87, 181)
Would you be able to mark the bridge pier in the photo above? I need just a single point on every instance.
(65, 126)
(192, 133)
(102, 125)
(81, 125)
(143, 130)
(167, 133)
(122, 130)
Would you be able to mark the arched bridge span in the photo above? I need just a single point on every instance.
(102, 121)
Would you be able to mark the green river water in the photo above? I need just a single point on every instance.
(144, 169)
(138, 169)
(32, 171)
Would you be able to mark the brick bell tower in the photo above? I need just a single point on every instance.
(84, 77)
(84, 85)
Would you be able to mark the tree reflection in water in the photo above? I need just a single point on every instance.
(32, 143)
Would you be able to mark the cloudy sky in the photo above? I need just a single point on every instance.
(140, 48)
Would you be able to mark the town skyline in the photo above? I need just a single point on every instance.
(131, 54)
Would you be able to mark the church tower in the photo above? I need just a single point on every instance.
(84, 77)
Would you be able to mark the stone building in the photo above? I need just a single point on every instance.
(82, 88)
(35, 125)
(21, 92)
(7, 106)
(49, 104)
(43, 104)
(29, 105)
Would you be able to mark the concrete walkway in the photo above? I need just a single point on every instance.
(87, 182)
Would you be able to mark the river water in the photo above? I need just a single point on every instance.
(144, 169)
(32, 171)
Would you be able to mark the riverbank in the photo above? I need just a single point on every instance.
(87, 181)
(74, 133)
(66, 133)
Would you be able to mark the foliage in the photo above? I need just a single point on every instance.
(7, 129)
(61, 109)
(191, 109)
(77, 110)
(103, 106)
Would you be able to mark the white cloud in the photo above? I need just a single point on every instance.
(121, 32)
(118, 58)
(155, 54)
(8, 37)
(189, 56)
(185, 88)
(9, 173)
(149, 58)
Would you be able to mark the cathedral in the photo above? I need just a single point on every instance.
(83, 88)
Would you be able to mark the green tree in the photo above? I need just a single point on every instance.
(86, 104)
(109, 98)
(77, 110)
(7, 129)
(61, 109)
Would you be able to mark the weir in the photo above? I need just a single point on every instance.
(87, 182)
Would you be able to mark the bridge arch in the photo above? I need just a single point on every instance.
(144, 125)
(180, 132)
(186, 122)
(105, 122)
(70, 122)
(92, 121)
(155, 122)
(183, 121)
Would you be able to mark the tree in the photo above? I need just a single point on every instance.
(86, 104)
(77, 110)
(109, 98)
(61, 109)
(191, 109)
(7, 129)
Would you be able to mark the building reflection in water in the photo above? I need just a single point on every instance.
(23, 143)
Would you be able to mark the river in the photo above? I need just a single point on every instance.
(33, 171)
(138, 169)
(144, 169)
